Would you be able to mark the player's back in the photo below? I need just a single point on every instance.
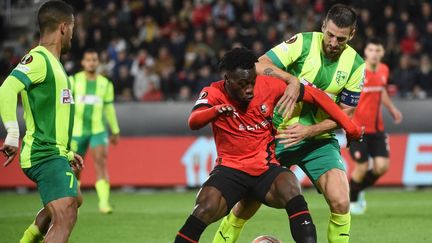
(245, 141)
(368, 112)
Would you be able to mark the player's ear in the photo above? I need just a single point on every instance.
(352, 34)
(323, 26)
(63, 27)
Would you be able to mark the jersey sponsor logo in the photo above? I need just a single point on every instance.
(341, 77)
(254, 127)
(22, 68)
(26, 59)
(90, 99)
(291, 40)
(66, 97)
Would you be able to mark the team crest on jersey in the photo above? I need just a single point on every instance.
(66, 97)
(26, 59)
(341, 77)
(263, 108)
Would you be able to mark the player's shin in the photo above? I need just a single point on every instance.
(339, 228)
(103, 191)
(302, 227)
(229, 230)
(191, 230)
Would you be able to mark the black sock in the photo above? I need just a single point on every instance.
(369, 179)
(301, 224)
(191, 230)
(355, 188)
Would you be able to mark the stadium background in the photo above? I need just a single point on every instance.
(159, 54)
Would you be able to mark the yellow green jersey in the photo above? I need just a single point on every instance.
(93, 105)
(48, 107)
(303, 57)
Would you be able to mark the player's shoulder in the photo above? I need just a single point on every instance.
(384, 68)
(32, 62)
(104, 79)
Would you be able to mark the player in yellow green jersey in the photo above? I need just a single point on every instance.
(306, 138)
(48, 113)
(94, 96)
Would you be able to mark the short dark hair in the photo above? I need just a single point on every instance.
(375, 41)
(52, 13)
(342, 15)
(239, 57)
(89, 50)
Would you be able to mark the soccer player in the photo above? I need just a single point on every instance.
(323, 60)
(240, 109)
(94, 95)
(368, 114)
(48, 105)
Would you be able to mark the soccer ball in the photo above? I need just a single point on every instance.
(266, 239)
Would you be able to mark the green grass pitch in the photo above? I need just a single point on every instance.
(393, 215)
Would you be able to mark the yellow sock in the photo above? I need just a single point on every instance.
(339, 228)
(229, 229)
(103, 191)
(31, 234)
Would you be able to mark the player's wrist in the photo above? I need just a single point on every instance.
(12, 137)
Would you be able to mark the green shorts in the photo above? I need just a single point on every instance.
(80, 144)
(314, 157)
(54, 178)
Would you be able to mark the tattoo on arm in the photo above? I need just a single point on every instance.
(270, 72)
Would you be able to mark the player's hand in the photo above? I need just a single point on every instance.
(397, 115)
(9, 152)
(77, 163)
(357, 136)
(288, 100)
(293, 134)
(228, 110)
(114, 139)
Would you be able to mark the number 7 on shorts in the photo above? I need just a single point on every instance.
(71, 178)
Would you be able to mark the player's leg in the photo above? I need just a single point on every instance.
(325, 168)
(57, 186)
(360, 154)
(379, 151)
(224, 188)
(334, 186)
(99, 151)
(231, 226)
(284, 192)
(39, 227)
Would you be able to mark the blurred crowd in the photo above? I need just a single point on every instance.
(156, 50)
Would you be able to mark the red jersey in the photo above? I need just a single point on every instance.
(245, 141)
(368, 112)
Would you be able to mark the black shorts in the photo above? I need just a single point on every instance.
(373, 145)
(235, 184)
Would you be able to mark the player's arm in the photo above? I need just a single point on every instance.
(110, 114)
(275, 62)
(30, 71)
(204, 115)
(8, 104)
(393, 110)
(349, 98)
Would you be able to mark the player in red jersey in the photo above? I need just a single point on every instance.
(240, 108)
(369, 115)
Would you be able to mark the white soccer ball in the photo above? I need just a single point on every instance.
(266, 239)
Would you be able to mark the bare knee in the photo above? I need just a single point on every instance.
(283, 189)
(210, 205)
(64, 212)
(340, 205)
(381, 166)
